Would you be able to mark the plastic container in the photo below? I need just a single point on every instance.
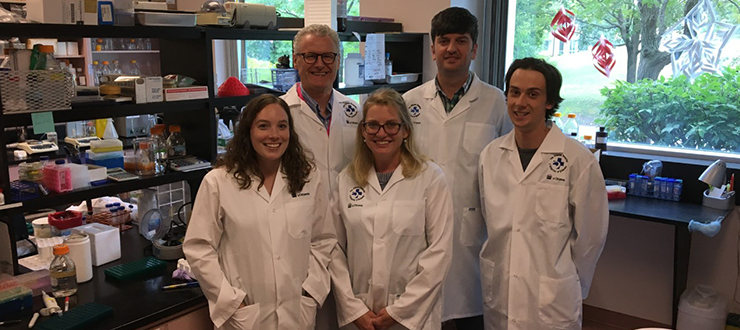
(701, 308)
(145, 158)
(79, 252)
(61, 222)
(41, 228)
(352, 70)
(677, 189)
(401, 78)
(63, 273)
(80, 175)
(632, 183)
(557, 119)
(57, 177)
(571, 125)
(106, 159)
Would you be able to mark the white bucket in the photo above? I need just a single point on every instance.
(701, 308)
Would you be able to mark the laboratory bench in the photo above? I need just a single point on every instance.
(676, 214)
(136, 303)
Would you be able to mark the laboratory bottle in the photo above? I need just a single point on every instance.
(175, 143)
(95, 70)
(588, 141)
(134, 69)
(601, 138)
(90, 129)
(131, 44)
(571, 125)
(46, 59)
(105, 69)
(116, 69)
(388, 67)
(557, 119)
(62, 272)
(98, 44)
(341, 15)
(159, 144)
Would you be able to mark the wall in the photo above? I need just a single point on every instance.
(634, 273)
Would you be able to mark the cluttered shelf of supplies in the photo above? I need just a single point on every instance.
(136, 303)
(9, 30)
(663, 211)
(103, 110)
(108, 189)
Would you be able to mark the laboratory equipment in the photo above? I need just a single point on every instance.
(175, 143)
(63, 273)
(35, 146)
(701, 308)
(105, 242)
(601, 139)
(715, 196)
(188, 163)
(81, 255)
(57, 177)
(352, 75)
(570, 125)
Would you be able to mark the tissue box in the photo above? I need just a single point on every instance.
(105, 242)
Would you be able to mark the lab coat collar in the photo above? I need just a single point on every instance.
(430, 93)
(372, 179)
(291, 97)
(277, 187)
(554, 143)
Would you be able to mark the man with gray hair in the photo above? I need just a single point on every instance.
(325, 120)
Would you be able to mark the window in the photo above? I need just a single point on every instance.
(257, 57)
(643, 103)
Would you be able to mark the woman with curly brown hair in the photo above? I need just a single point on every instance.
(256, 240)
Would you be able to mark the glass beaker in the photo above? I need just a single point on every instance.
(144, 156)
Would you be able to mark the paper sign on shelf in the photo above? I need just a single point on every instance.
(43, 122)
(374, 56)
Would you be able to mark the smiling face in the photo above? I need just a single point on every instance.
(453, 52)
(526, 99)
(385, 147)
(270, 134)
(318, 76)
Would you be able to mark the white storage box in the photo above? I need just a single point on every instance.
(133, 86)
(186, 93)
(402, 78)
(105, 242)
(45, 11)
(97, 173)
(80, 175)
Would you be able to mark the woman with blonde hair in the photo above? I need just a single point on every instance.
(392, 211)
(256, 240)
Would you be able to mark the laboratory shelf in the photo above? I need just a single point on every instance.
(126, 51)
(80, 31)
(87, 111)
(108, 189)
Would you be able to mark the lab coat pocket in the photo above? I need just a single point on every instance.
(477, 136)
(245, 318)
(308, 313)
(489, 284)
(472, 228)
(408, 218)
(552, 202)
(299, 216)
(560, 301)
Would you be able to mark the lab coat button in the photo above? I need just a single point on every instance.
(516, 276)
(273, 210)
(278, 258)
(379, 241)
(518, 230)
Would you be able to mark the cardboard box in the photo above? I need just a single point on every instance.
(154, 90)
(133, 86)
(45, 11)
(186, 93)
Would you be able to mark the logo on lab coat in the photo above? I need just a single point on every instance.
(349, 109)
(558, 163)
(357, 193)
(414, 110)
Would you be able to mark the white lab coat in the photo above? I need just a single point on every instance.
(395, 247)
(334, 151)
(454, 141)
(546, 229)
(261, 249)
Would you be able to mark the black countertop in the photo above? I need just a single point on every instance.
(663, 211)
(136, 303)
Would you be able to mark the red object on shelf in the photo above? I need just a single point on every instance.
(563, 25)
(65, 219)
(612, 195)
(232, 87)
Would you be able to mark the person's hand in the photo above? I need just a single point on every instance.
(383, 321)
(365, 322)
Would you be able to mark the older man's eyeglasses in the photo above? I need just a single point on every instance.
(311, 58)
(390, 128)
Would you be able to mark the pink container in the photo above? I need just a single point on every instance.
(58, 177)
